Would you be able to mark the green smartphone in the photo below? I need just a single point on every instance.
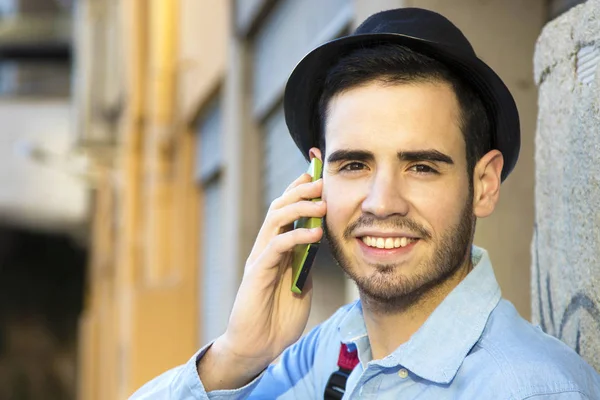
(304, 254)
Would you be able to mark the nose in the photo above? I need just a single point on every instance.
(385, 196)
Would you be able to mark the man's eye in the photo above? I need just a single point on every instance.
(353, 166)
(423, 169)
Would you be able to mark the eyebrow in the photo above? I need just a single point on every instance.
(347, 155)
(425, 155)
(409, 156)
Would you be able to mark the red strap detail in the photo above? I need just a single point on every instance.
(347, 359)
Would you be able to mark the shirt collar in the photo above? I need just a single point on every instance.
(438, 348)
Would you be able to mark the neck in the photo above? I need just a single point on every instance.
(388, 329)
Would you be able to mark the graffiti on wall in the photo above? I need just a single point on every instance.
(553, 322)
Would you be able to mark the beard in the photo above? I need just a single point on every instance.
(388, 289)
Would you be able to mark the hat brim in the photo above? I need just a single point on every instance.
(305, 83)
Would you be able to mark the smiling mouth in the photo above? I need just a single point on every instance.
(387, 242)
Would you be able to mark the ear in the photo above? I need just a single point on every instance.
(315, 152)
(486, 183)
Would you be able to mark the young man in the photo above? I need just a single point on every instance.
(416, 135)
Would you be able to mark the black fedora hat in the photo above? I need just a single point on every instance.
(425, 32)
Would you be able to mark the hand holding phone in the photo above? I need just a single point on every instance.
(267, 316)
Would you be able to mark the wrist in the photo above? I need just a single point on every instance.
(222, 368)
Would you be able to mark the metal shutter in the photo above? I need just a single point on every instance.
(215, 304)
(209, 158)
(217, 285)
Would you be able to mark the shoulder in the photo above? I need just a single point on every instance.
(528, 362)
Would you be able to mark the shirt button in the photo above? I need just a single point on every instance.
(403, 373)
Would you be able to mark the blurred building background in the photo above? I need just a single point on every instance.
(143, 141)
(44, 203)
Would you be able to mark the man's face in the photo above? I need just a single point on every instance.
(399, 205)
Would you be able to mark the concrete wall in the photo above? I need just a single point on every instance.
(566, 244)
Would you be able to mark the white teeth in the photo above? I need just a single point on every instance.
(386, 243)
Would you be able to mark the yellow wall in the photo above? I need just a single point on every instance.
(141, 315)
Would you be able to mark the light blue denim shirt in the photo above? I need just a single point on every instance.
(473, 346)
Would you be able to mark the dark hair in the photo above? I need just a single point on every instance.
(395, 64)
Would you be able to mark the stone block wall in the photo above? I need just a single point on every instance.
(566, 242)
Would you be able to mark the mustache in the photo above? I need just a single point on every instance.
(395, 222)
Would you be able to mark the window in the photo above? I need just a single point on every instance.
(35, 48)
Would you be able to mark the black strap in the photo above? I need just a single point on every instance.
(336, 385)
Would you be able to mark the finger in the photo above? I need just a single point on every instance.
(282, 218)
(302, 191)
(299, 180)
(302, 186)
(284, 243)
(278, 221)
